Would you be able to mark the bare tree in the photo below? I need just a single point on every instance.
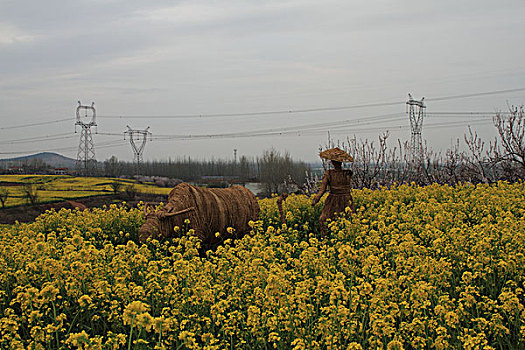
(369, 160)
(4, 194)
(243, 168)
(112, 167)
(398, 163)
(30, 191)
(130, 191)
(511, 153)
(116, 186)
(479, 162)
(452, 164)
(431, 167)
(377, 165)
(275, 169)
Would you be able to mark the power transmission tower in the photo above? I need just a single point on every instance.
(138, 149)
(416, 113)
(86, 162)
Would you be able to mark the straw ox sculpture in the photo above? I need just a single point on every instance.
(210, 210)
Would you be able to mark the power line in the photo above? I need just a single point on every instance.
(361, 121)
(300, 129)
(296, 128)
(34, 124)
(263, 132)
(272, 131)
(495, 92)
(63, 136)
(311, 131)
(248, 114)
(110, 144)
(290, 130)
(307, 110)
(463, 113)
(109, 134)
(364, 121)
(278, 112)
(393, 128)
(122, 143)
(43, 139)
(38, 138)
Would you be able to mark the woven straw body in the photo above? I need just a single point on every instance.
(209, 210)
(339, 198)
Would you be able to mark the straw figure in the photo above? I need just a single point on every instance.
(337, 180)
(209, 210)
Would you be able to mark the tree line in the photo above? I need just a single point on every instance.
(271, 169)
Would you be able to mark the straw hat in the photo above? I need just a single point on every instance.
(336, 154)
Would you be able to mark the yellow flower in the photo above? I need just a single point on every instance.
(274, 337)
(395, 345)
(78, 339)
(452, 319)
(467, 277)
(40, 247)
(298, 344)
(77, 240)
(49, 292)
(132, 310)
(84, 301)
(159, 324)
(145, 321)
(188, 338)
(354, 346)
(387, 277)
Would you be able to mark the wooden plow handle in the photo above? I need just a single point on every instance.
(179, 212)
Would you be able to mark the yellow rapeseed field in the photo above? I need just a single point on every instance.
(54, 188)
(433, 267)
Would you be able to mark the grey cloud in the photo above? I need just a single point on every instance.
(158, 57)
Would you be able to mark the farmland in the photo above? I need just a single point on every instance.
(433, 267)
(55, 188)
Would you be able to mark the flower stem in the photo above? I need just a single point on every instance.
(131, 332)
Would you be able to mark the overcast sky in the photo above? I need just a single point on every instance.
(194, 68)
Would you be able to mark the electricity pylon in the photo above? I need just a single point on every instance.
(86, 162)
(138, 149)
(416, 114)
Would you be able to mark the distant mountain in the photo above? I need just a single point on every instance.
(52, 159)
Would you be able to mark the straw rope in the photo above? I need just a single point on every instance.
(209, 210)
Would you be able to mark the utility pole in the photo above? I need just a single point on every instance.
(86, 161)
(416, 113)
(137, 149)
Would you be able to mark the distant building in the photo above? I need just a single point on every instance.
(15, 170)
(61, 171)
